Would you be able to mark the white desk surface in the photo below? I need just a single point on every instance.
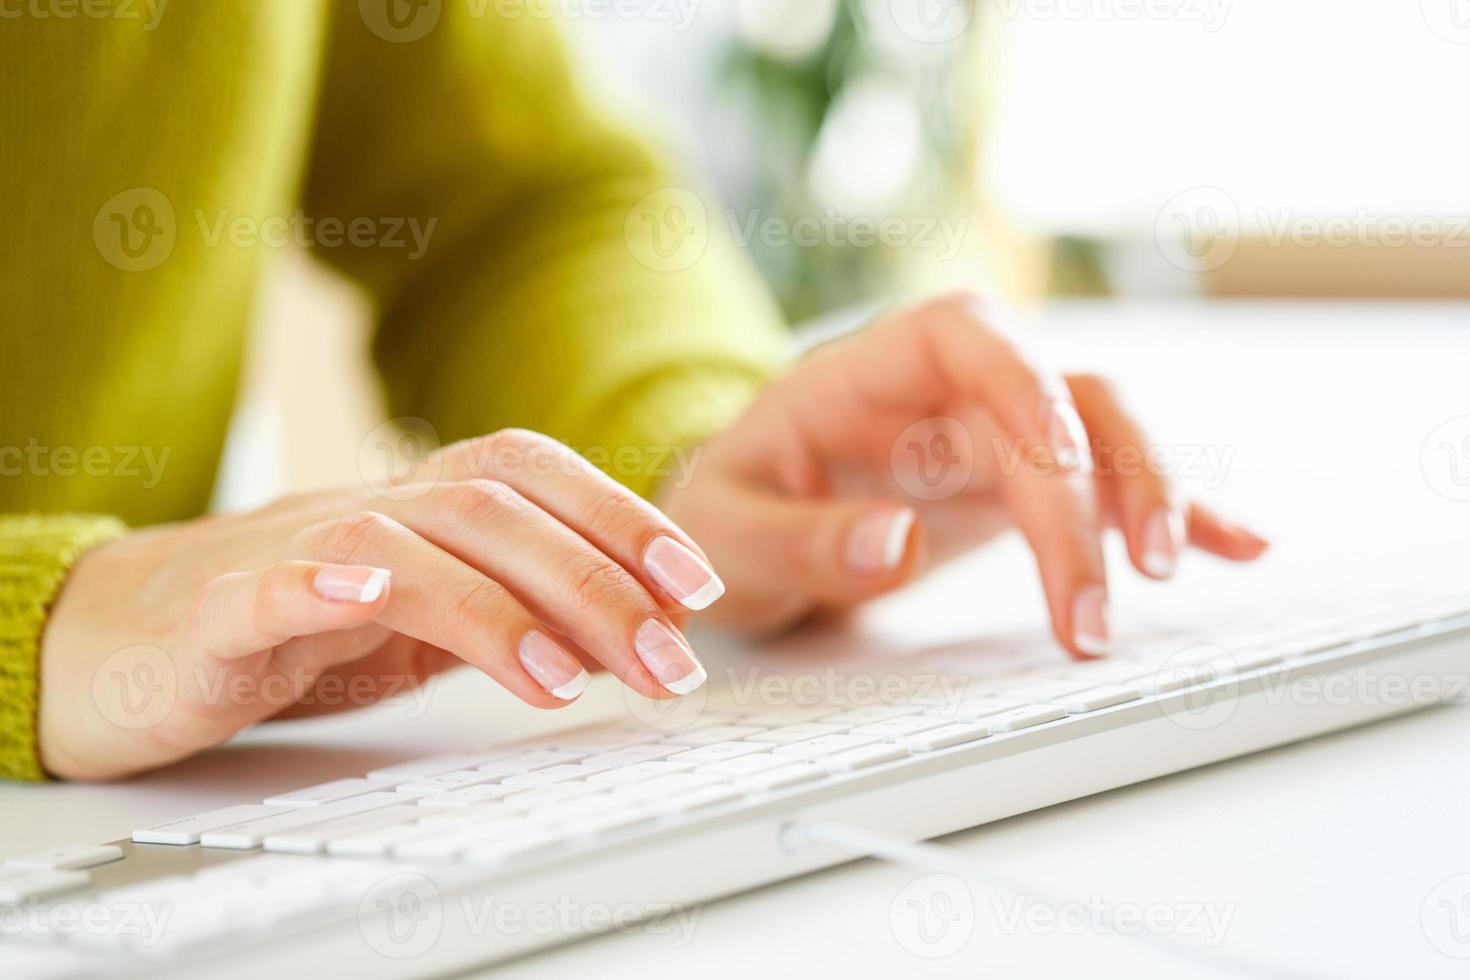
(1323, 854)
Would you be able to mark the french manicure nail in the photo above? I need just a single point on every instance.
(1163, 537)
(877, 541)
(351, 583)
(1067, 435)
(1090, 631)
(560, 673)
(668, 658)
(682, 573)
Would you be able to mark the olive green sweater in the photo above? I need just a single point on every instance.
(444, 155)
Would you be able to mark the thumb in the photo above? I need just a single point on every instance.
(241, 614)
(831, 552)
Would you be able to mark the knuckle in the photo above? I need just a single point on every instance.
(611, 518)
(347, 538)
(594, 582)
(473, 609)
(473, 501)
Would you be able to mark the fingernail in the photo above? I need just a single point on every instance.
(668, 658)
(1067, 435)
(1163, 537)
(877, 541)
(351, 583)
(683, 574)
(1090, 631)
(560, 673)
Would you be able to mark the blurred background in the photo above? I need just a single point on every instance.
(863, 151)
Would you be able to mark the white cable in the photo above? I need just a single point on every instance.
(799, 834)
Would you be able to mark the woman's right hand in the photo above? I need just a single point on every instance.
(520, 558)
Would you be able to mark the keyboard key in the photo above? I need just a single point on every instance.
(27, 885)
(746, 765)
(942, 738)
(665, 786)
(792, 775)
(977, 709)
(379, 843)
(582, 808)
(617, 819)
(252, 833)
(457, 818)
(871, 715)
(1099, 698)
(555, 793)
(529, 761)
(500, 851)
(898, 729)
(863, 758)
(469, 796)
(595, 742)
(825, 745)
(435, 765)
(696, 799)
(798, 733)
(633, 755)
(639, 773)
(445, 845)
(1027, 717)
(552, 775)
(713, 734)
(76, 857)
(1176, 677)
(718, 752)
(443, 783)
(315, 838)
(338, 789)
(784, 717)
(187, 830)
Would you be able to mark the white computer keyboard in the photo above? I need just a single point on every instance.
(558, 812)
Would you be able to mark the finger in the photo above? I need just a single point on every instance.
(1139, 499)
(444, 602)
(952, 348)
(573, 587)
(1211, 533)
(244, 613)
(1060, 521)
(832, 552)
(619, 523)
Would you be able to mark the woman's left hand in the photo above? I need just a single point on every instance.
(932, 424)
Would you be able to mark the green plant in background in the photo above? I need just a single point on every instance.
(858, 125)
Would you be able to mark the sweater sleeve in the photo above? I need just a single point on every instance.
(36, 552)
(552, 273)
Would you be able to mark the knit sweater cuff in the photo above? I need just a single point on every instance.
(650, 437)
(36, 552)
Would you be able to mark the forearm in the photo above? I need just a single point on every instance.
(36, 552)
